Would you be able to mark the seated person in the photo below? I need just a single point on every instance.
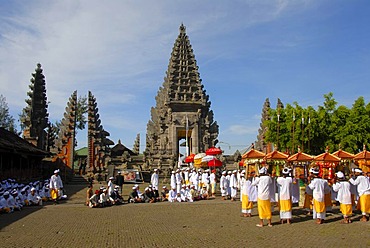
(4, 204)
(193, 192)
(34, 199)
(148, 197)
(134, 196)
(172, 195)
(89, 194)
(204, 193)
(15, 201)
(103, 197)
(183, 193)
(23, 197)
(94, 200)
(45, 193)
(116, 197)
(164, 194)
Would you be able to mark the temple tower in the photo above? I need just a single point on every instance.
(65, 142)
(98, 143)
(35, 118)
(182, 110)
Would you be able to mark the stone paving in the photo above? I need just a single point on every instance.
(212, 223)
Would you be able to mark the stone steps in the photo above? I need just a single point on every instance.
(78, 180)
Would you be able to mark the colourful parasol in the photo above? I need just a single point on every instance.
(213, 151)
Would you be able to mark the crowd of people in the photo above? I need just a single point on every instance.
(14, 195)
(266, 190)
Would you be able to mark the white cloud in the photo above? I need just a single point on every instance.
(118, 49)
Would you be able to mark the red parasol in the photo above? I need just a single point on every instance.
(241, 163)
(213, 151)
(190, 158)
(214, 163)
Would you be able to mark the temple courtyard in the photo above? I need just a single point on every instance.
(209, 223)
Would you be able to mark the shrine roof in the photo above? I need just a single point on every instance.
(12, 143)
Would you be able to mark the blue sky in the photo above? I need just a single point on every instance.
(246, 51)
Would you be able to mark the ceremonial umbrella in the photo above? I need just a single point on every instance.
(213, 151)
(215, 163)
(276, 155)
(300, 157)
(344, 155)
(363, 158)
(327, 157)
(253, 156)
(190, 158)
(198, 160)
(330, 159)
(208, 158)
(278, 158)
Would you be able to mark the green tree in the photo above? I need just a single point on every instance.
(6, 120)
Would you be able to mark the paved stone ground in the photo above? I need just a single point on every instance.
(200, 224)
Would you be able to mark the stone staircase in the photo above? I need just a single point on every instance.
(78, 180)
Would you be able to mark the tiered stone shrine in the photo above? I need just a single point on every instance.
(182, 110)
(35, 115)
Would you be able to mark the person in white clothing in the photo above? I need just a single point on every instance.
(223, 185)
(110, 186)
(172, 195)
(173, 180)
(343, 189)
(319, 186)
(284, 184)
(186, 176)
(263, 183)
(363, 189)
(229, 173)
(155, 180)
(178, 180)
(247, 205)
(213, 182)
(34, 199)
(233, 185)
(205, 179)
(55, 185)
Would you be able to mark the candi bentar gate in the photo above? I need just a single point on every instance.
(182, 112)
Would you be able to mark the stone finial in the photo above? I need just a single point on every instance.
(182, 28)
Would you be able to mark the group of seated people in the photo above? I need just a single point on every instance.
(14, 195)
(103, 197)
(187, 193)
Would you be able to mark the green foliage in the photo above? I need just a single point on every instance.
(314, 129)
(6, 120)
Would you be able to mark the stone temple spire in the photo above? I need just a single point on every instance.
(35, 117)
(182, 109)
